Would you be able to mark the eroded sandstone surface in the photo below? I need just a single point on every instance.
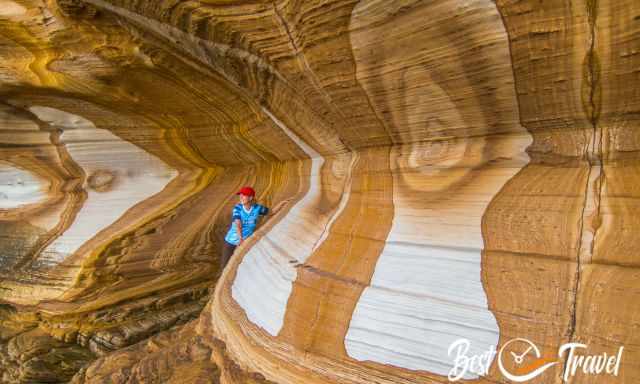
(444, 169)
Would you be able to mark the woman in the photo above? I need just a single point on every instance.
(244, 218)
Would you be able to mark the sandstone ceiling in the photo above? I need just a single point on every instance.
(445, 169)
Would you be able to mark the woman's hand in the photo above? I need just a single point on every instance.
(280, 205)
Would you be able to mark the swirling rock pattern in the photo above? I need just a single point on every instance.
(441, 170)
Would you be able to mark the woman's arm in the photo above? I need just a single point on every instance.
(271, 212)
(239, 230)
(278, 207)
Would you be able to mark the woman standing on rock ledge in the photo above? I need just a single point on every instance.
(244, 220)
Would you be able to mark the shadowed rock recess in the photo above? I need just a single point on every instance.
(447, 169)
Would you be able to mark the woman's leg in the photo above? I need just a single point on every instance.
(227, 251)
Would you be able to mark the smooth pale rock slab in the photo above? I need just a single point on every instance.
(11, 8)
(20, 187)
(426, 291)
(119, 175)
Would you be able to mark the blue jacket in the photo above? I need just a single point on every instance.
(249, 221)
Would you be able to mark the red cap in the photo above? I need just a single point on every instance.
(247, 191)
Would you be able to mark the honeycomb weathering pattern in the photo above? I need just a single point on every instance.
(442, 169)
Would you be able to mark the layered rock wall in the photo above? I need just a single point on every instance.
(441, 170)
